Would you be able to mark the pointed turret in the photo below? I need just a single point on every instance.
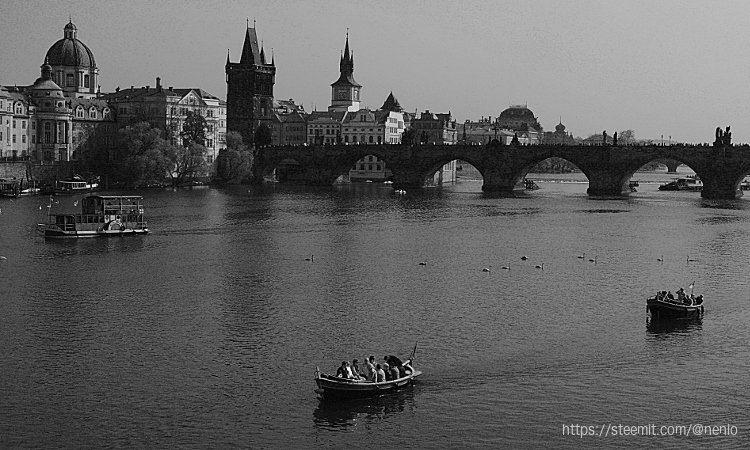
(262, 55)
(228, 57)
(391, 104)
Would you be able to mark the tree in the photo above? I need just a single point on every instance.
(140, 156)
(262, 136)
(234, 162)
(409, 136)
(185, 162)
(193, 129)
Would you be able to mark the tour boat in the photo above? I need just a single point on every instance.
(101, 215)
(75, 186)
(332, 387)
(662, 307)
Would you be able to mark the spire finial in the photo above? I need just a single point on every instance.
(253, 22)
(247, 21)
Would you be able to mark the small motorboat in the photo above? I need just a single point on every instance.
(662, 306)
(332, 387)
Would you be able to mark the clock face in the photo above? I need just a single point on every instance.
(341, 94)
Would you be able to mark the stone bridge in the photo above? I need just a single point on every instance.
(503, 167)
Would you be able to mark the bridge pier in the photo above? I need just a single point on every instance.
(604, 183)
(714, 190)
(672, 165)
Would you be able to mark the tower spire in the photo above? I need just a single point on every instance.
(250, 48)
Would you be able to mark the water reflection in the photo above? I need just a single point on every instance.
(677, 326)
(340, 415)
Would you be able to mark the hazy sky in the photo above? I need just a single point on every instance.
(678, 68)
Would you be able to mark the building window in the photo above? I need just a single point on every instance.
(14, 138)
(85, 81)
(69, 81)
(92, 113)
(23, 138)
(33, 138)
(79, 113)
(210, 143)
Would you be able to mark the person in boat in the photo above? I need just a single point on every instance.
(345, 371)
(370, 365)
(387, 369)
(379, 374)
(670, 296)
(355, 370)
(394, 361)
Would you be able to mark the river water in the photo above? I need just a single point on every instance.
(206, 333)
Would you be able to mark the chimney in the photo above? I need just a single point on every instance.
(158, 84)
(171, 88)
(132, 87)
(147, 88)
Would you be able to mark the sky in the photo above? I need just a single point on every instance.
(666, 68)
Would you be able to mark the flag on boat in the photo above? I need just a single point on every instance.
(691, 285)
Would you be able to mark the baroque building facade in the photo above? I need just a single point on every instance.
(60, 117)
(167, 108)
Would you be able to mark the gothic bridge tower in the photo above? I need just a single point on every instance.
(249, 88)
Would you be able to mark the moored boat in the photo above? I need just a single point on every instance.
(9, 188)
(332, 387)
(75, 186)
(663, 306)
(101, 215)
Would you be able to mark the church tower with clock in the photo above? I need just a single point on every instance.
(345, 91)
(249, 88)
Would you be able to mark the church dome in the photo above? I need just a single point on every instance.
(69, 51)
(560, 128)
(518, 113)
(518, 117)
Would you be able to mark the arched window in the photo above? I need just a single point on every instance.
(92, 113)
(79, 112)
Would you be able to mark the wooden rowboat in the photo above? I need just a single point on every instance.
(330, 386)
(662, 307)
